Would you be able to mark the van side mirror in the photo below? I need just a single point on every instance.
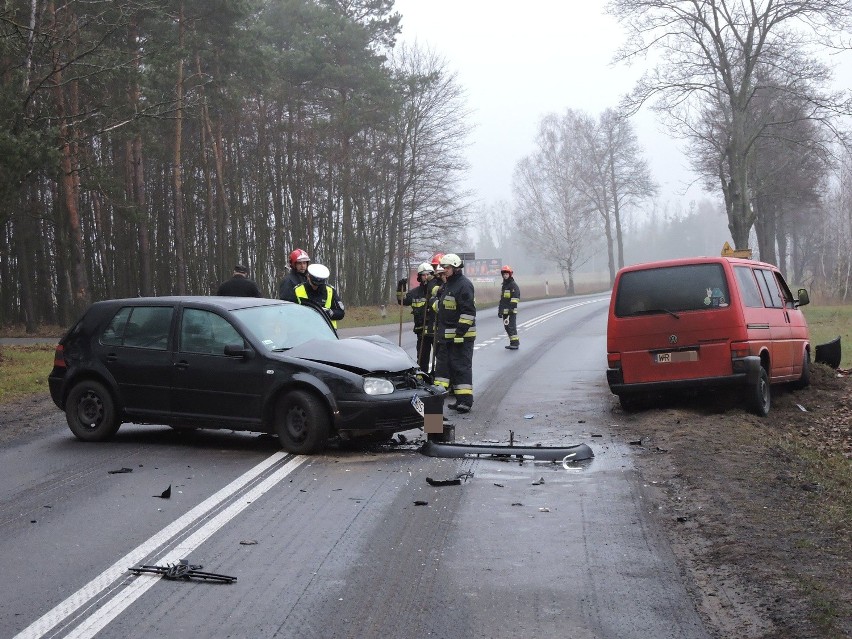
(803, 298)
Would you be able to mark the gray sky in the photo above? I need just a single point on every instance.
(518, 61)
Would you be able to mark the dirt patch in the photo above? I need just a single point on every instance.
(758, 510)
(22, 418)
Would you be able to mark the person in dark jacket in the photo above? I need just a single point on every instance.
(299, 261)
(418, 298)
(239, 285)
(457, 330)
(508, 308)
(318, 291)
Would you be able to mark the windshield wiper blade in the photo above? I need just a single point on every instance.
(652, 311)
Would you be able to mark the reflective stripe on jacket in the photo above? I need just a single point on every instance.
(302, 294)
(509, 297)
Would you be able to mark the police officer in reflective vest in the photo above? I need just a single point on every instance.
(417, 299)
(510, 295)
(319, 292)
(457, 330)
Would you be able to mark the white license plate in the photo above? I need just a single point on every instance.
(676, 356)
(417, 403)
(664, 358)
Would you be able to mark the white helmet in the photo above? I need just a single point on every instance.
(451, 259)
(425, 268)
(318, 273)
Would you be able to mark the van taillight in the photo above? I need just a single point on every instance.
(739, 349)
(613, 360)
(59, 357)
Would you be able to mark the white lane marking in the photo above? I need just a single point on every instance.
(125, 597)
(118, 570)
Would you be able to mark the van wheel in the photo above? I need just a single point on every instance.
(301, 423)
(632, 403)
(805, 379)
(90, 412)
(758, 396)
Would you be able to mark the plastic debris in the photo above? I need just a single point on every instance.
(120, 470)
(166, 494)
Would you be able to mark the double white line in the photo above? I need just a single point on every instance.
(547, 316)
(110, 605)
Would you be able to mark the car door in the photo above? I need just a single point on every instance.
(780, 348)
(209, 385)
(134, 348)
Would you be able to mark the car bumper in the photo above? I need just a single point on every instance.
(746, 371)
(388, 413)
(55, 384)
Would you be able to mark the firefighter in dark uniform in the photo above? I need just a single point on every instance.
(321, 293)
(299, 262)
(417, 298)
(457, 330)
(508, 308)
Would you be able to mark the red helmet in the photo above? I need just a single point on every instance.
(436, 259)
(298, 255)
(507, 269)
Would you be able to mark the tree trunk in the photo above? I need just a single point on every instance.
(137, 172)
(180, 250)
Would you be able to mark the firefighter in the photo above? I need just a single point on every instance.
(299, 262)
(417, 299)
(439, 352)
(318, 291)
(457, 330)
(508, 308)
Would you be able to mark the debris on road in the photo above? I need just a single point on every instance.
(248, 542)
(166, 494)
(182, 570)
(456, 481)
(120, 470)
(420, 502)
(577, 452)
(544, 509)
(538, 482)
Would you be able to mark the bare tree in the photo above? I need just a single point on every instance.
(718, 53)
(550, 211)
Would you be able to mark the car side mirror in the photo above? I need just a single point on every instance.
(237, 350)
(803, 298)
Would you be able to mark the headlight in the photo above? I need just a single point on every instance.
(377, 386)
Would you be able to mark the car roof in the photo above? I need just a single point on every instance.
(684, 261)
(209, 301)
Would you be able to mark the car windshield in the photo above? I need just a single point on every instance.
(671, 290)
(282, 326)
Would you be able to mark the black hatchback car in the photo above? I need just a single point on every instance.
(232, 362)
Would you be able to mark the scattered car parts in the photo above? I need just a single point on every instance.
(183, 570)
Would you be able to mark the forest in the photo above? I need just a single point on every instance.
(147, 146)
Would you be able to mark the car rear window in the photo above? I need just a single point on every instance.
(672, 289)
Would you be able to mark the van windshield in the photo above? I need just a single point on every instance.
(672, 290)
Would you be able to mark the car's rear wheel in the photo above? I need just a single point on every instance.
(301, 423)
(90, 412)
(758, 396)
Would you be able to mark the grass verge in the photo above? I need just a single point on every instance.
(24, 370)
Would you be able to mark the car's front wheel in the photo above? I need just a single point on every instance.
(758, 396)
(90, 412)
(301, 423)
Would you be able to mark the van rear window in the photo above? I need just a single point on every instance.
(672, 289)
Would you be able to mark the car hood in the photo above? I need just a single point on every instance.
(370, 354)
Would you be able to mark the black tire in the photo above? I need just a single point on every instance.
(805, 379)
(758, 395)
(90, 412)
(301, 423)
(631, 403)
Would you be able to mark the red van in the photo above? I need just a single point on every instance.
(701, 323)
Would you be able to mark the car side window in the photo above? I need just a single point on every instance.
(748, 287)
(769, 288)
(139, 327)
(205, 332)
(113, 334)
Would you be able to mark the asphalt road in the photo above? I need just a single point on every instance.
(334, 545)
